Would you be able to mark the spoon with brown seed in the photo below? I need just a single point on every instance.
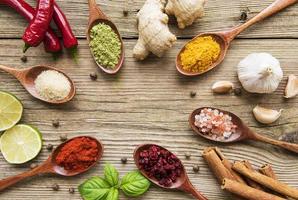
(50, 166)
(225, 38)
(27, 77)
(181, 183)
(243, 132)
(96, 16)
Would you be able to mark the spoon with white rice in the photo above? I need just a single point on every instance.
(45, 83)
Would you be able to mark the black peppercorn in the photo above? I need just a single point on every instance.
(55, 187)
(71, 190)
(93, 76)
(63, 137)
(196, 168)
(125, 13)
(56, 123)
(50, 147)
(192, 94)
(24, 58)
(237, 91)
(187, 155)
(124, 160)
(243, 16)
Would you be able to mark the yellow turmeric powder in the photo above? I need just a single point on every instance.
(200, 54)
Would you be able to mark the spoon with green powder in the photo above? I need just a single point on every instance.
(44, 83)
(104, 40)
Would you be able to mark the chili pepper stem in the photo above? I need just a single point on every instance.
(26, 47)
(74, 53)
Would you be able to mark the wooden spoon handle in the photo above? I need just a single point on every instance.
(275, 7)
(286, 145)
(95, 12)
(7, 182)
(11, 70)
(188, 187)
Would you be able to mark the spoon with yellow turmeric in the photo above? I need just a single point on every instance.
(207, 50)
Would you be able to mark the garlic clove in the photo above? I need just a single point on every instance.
(222, 87)
(265, 115)
(292, 86)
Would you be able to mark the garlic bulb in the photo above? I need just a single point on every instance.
(260, 73)
(265, 115)
(292, 86)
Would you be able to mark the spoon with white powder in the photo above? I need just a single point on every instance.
(45, 83)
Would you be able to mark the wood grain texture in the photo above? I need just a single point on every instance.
(149, 102)
(220, 14)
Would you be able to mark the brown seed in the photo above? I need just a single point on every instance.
(237, 91)
(56, 123)
(63, 137)
(196, 168)
(50, 147)
(93, 76)
(187, 155)
(55, 187)
(33, 165)
(192, 94)
(24, 58)
(71, 190)
(243, 16)
(124, 160)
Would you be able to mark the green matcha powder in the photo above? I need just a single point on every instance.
(105, 45)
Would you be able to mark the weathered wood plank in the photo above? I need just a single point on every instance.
(220, 14)
(148, 102)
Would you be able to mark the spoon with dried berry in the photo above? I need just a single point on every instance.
(223, 126)
(164, 169)
(70, 158)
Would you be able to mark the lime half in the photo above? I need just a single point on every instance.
(20, 144)
(11, 110)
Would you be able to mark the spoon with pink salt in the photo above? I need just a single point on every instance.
(242, 131)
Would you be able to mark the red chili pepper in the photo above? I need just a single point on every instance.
(35, 32)
(51, 41)
(69, 40)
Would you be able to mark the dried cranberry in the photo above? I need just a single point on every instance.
(161, 165)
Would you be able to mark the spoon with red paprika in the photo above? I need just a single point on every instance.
(168, 169)
(96, 16)
(70, 158)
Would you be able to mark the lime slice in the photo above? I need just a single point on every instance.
(11, 110)
(20, 144)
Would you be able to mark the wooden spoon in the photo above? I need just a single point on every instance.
(225, 38)
(27, 77)
(96, 16)
(50, 167)
(242, 132)
(183, 183)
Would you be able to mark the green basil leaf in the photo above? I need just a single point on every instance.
(111, 175)
(134, 184)
(94, 188)
(113, 194)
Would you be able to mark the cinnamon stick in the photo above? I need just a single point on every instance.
(214, 158)
(249, 181)
(266, 181)
(247, 191)
(268, 171)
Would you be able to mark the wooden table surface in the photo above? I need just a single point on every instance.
(149, 101)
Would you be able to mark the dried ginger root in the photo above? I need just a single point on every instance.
(186, 11)
(154, 33)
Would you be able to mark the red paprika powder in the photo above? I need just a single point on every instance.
(78, 154)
